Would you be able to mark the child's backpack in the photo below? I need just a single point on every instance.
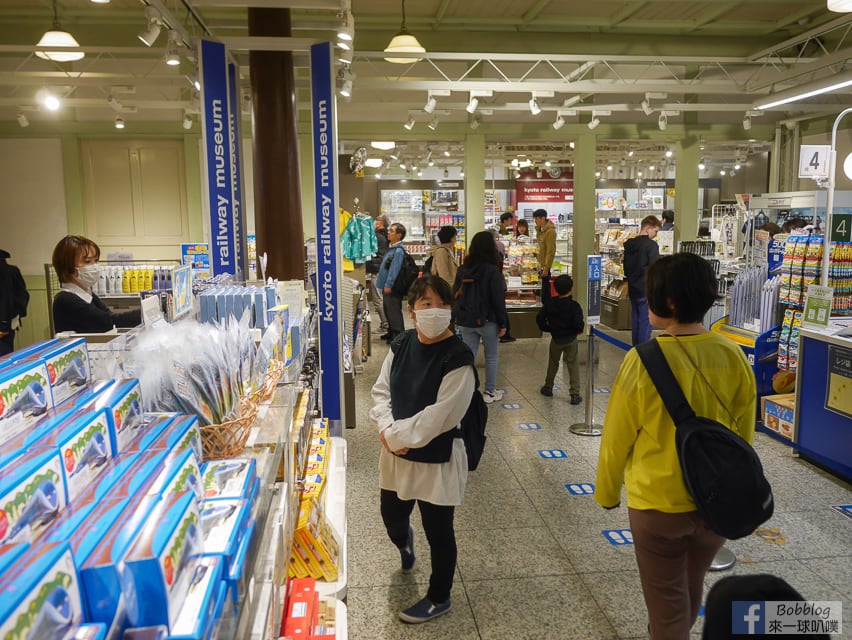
(470, 308)
(408, 273)
(721, 470)
(473, 422)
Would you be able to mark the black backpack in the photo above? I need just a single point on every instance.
(470, 308)
(14, 296)
(721, 470)
(407, 274)
(427, 266)
(475, 418)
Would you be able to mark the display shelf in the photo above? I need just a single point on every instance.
(335, 509)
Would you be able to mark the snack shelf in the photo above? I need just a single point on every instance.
(335, 509)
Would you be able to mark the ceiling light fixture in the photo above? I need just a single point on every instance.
(346, 88)
(721, 172)
(669, 153)
(410, 124)
(647, 108)
(344, 56)
(192, 78)
(630, 153)
(403, 166)
(701, 165)
(597, 174)
(100, 1)
(663, 121)
(737, 166)
(433, 124)
(346, 30)
(187, 120)
(472, 104)
(840, 6)
(119, 122)
(651, 167)
(383, 145)
(446, 173)
(431, 103)
(373, 163)
(23, 122)
(403, 42)
(593, 123)
(155, 24)
(559, 123)
(173, 49)
(609, 167)
(114, 104)
(746, 122)
(802, 92)
(446, 153)
(58, 37)
(534, 108)
(48, 100)
(461, 173)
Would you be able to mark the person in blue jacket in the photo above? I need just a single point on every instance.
(388, 272)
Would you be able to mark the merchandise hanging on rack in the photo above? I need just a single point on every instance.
(359, 240)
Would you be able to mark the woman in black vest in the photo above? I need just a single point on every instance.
(423, 390)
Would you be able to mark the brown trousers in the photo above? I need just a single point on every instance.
(674, 552)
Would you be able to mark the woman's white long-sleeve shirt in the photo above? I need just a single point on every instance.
(436, 483)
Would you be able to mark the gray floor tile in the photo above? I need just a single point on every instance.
(496, 509)
(510, 553)
(619, 595)
(590, 552)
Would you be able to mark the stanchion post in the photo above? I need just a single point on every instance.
(593, 317)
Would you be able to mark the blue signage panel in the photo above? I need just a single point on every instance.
(324, 114)
(618, 537)
(552, 454)
(582, 489)
(593, 301)
(213, 71)
(235, 118)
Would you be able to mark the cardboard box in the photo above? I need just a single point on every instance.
(32, 495)
(196, 613)
(299, 610)
(779, 414)
(238, 576)
(67, 368)
(152, 427)
(112, 473)
(181, 433)
(123, 402)
(24, 397)
(26, 352)
(229, 478)
(163, 559)
(41, 594)
(223, 524)
(615, 313)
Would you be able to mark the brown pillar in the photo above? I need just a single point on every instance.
(277, 197)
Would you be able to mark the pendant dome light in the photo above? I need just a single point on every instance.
(403, 42)
(58, 37)
(840, 6)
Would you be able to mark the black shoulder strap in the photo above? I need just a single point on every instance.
(664, 379)
(453, 356)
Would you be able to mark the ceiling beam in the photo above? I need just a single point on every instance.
(321, 5)
(803, 37)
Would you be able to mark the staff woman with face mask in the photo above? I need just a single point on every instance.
(75, 307)
(423, 390)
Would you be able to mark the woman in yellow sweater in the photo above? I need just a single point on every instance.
(673, 546)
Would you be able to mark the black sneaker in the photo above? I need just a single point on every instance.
(406, 554)
(546, 391)
(576, 398)
(507, 339)
(386, 336)
(424, 611)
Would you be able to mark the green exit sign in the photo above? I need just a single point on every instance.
(841, 227)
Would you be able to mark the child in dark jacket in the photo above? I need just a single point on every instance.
(562, 317)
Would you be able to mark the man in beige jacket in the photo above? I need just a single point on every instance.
(546, 241)
(444, 255)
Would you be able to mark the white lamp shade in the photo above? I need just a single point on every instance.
(847, 166)
(841, 6)
(404, 42)
(59, 38)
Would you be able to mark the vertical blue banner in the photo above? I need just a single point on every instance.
(235, 117)
(593, 302)
(324, 118)
(213, 73)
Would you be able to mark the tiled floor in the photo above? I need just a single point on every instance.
(533, 562)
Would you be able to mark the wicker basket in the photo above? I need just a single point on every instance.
(228, 439)
(270, 381)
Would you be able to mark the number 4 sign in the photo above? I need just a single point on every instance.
(813, 160)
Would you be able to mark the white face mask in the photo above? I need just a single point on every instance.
(88, 275)
(432, 322)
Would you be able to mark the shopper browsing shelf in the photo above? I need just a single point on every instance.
(381, 226)
(424, 388)
(14, 299)
(522, 229)
(480, 307)
(388, 273)
(673, 546)
(506, 223)
(76, 307)
(562, 317)
(640, 253)
(444, 255)
(668, 220)
(546, 243)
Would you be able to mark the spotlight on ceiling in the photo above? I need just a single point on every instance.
(173, 49)
(446, 153)
(593, 123)
(433, 124)
(609, 167)
(663, 121)
(446, 173)
(668, 153)
(187, 120)
(722, 172)
(119, 122)
(114, 104)
(737, 166)
(23, 122)
(597, 174)
(344, 56)
(410, 124)
(48, 100)
(701, 165)
(631, 153)
(431, 103)
(559, 123)
(346, 88)
(192, 78)
(383, 145)
(534, 108)
(346, 30)
(155, 24)
(647, 108)
(472, 104)
(746, 122)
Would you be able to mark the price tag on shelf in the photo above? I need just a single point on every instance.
(817, 307)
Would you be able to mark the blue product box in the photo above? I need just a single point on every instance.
(84, 526)
(89, 631)
(152, 426)
(24, 397)
(223, 525)
(82, 438)
(9, 553)
(238, 576)
(259, 311)
(196, 613)
(222, 608)
(123, 402)
(164, 557)
(110, 592)
(67, 368)
(26, 352)
(41, 594)
(32, 495)
(147, 633)
(143, 476)
(181, 433)
(113, 472)
(228, 478)
(180, 473)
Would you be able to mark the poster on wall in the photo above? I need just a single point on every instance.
(197, 257)
(838, 397)
(554, 196)
(182, 291)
